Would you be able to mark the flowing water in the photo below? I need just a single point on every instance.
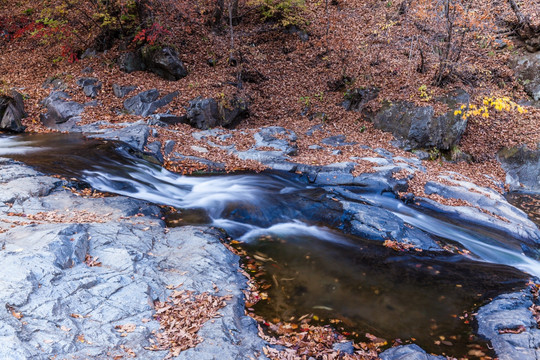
(290, 231)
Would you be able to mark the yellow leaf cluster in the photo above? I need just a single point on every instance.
(499, 104)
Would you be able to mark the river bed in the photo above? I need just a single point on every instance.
(295, 236)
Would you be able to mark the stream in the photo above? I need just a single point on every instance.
(295, 236)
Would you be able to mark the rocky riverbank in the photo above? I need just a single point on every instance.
(80, 275)
(79, 271)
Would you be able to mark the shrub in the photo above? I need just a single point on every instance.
(284, 12)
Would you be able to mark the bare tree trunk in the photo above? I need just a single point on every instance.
(523, 20)
(218, 13)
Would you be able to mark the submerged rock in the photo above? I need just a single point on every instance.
(408, 352)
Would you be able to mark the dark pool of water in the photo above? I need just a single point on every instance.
(530, 203)
(374, 289)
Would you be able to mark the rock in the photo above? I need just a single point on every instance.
(344, 347)
(522, 167)
(252, 76)
(527, 70)
(164, 62)
(375, 223)
(73, 309)
(90, 86)
(302, 34)
(210, 165)
(337, 140)
(315, 147)
(60, 109)
(130, 62)
(122, 91)
(314, 128)
(357, 99)
(168, 147)
(12, 112)
(89, 53)
(278, 138)
(199, 149)
(515, 229)
(155, 149)
(499, 320)
(499, 44)
(54, 83)
(337, 152)
(207, 113)
(147, 102)
(168, 119)
(408, 352)
(417, 127)
(135, 135)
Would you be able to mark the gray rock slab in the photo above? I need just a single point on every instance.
(72, 310)
(135, 135)
(508, 312)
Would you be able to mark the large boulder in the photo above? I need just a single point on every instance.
(522, 166)
(12, 112)
(163, 61)
(147, 102)
(527, 69)
(60, 109)
(208, 113)
(417, 127)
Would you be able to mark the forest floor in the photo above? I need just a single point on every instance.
(294, 82)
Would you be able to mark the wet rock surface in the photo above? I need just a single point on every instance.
(55, 303)
(510, 326)
(408, 352)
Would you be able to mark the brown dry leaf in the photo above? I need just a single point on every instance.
(516, 330)
(181, 317)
